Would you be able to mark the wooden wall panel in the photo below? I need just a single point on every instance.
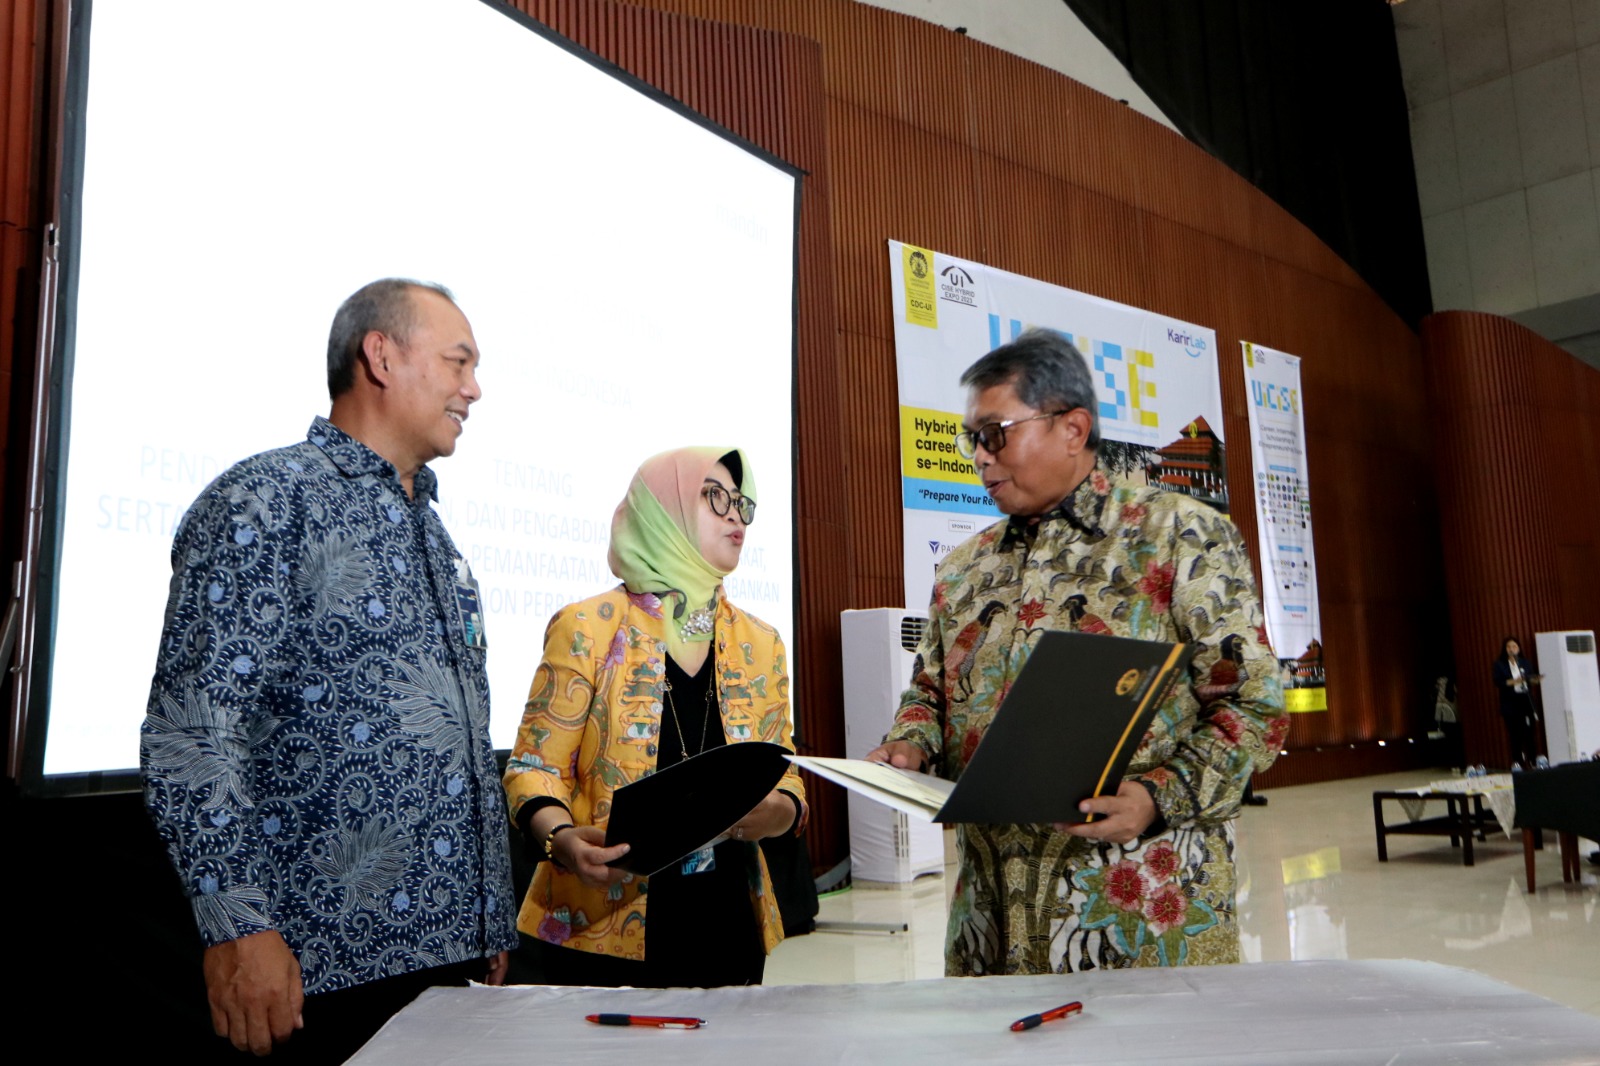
(1049, 227)
(898, 183)
(1518, 474)
(1029, 115)
(23, 65)
(868, 363)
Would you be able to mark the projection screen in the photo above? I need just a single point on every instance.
(627, 269)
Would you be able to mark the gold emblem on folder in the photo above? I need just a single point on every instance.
(1128, 682)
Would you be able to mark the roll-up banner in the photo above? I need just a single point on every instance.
(1160, 401)
(1283, 507)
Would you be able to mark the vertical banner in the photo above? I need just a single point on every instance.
(1159, 398)
(1283, 506)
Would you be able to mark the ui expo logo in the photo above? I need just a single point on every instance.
(956, 286)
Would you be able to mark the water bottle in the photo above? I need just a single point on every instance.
(1542, 763)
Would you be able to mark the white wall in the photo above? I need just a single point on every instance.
(1045, 31)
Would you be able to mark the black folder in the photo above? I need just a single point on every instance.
(677, 811)
(1076, 713)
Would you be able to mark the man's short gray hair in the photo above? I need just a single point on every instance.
(1048, 372)
(383, 305)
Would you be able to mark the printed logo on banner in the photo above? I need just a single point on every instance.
(1125, 378)
(1193, 347)
(956, 285)
(1275, 397)
(922, 304)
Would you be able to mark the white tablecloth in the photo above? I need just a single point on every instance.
(1397, 1013)
(1495, 789)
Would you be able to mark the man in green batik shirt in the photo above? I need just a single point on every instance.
(1151, 881)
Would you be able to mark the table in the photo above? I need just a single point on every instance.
(1381, 1012)
(1464, 816)
(1564, 798)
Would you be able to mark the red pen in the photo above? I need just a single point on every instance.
(1054, 1014)
(652, 1020)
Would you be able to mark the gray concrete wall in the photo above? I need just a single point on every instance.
(1504, 97)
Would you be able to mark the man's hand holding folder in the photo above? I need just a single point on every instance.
(1119, 819)
(1062, 739)
(900, 754)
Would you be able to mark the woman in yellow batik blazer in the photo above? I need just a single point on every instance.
(649, 674)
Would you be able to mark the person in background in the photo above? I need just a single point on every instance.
(642, 677)
(1447, 721)
(316, 751)
(1512, 679)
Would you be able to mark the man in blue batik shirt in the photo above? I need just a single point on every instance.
(316, 751)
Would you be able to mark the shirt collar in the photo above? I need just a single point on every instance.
(1082, 509)
(355, 459)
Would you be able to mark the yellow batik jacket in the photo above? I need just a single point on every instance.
(590, 727)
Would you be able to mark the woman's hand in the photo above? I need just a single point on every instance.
(772, 817)
(582, 850)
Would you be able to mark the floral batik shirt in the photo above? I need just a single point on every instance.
(316, 751)
(1130, 561)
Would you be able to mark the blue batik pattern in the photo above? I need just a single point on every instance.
(316, 749)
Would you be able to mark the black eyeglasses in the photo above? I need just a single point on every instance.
(721, 499)
(992, 435)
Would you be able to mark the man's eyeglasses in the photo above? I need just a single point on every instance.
(721, 499)
(992, 435)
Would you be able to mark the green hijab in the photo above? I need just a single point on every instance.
(655, 537)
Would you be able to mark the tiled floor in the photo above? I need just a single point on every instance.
(1311, 888)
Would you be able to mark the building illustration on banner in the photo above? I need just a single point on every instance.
(1195, 464)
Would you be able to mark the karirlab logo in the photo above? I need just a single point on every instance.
(1193, 346)
(919, 265)
(956, 285)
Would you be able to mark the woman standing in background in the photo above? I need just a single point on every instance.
(1512, 678)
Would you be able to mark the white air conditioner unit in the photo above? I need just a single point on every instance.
(1571, 694)
(879, 647)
